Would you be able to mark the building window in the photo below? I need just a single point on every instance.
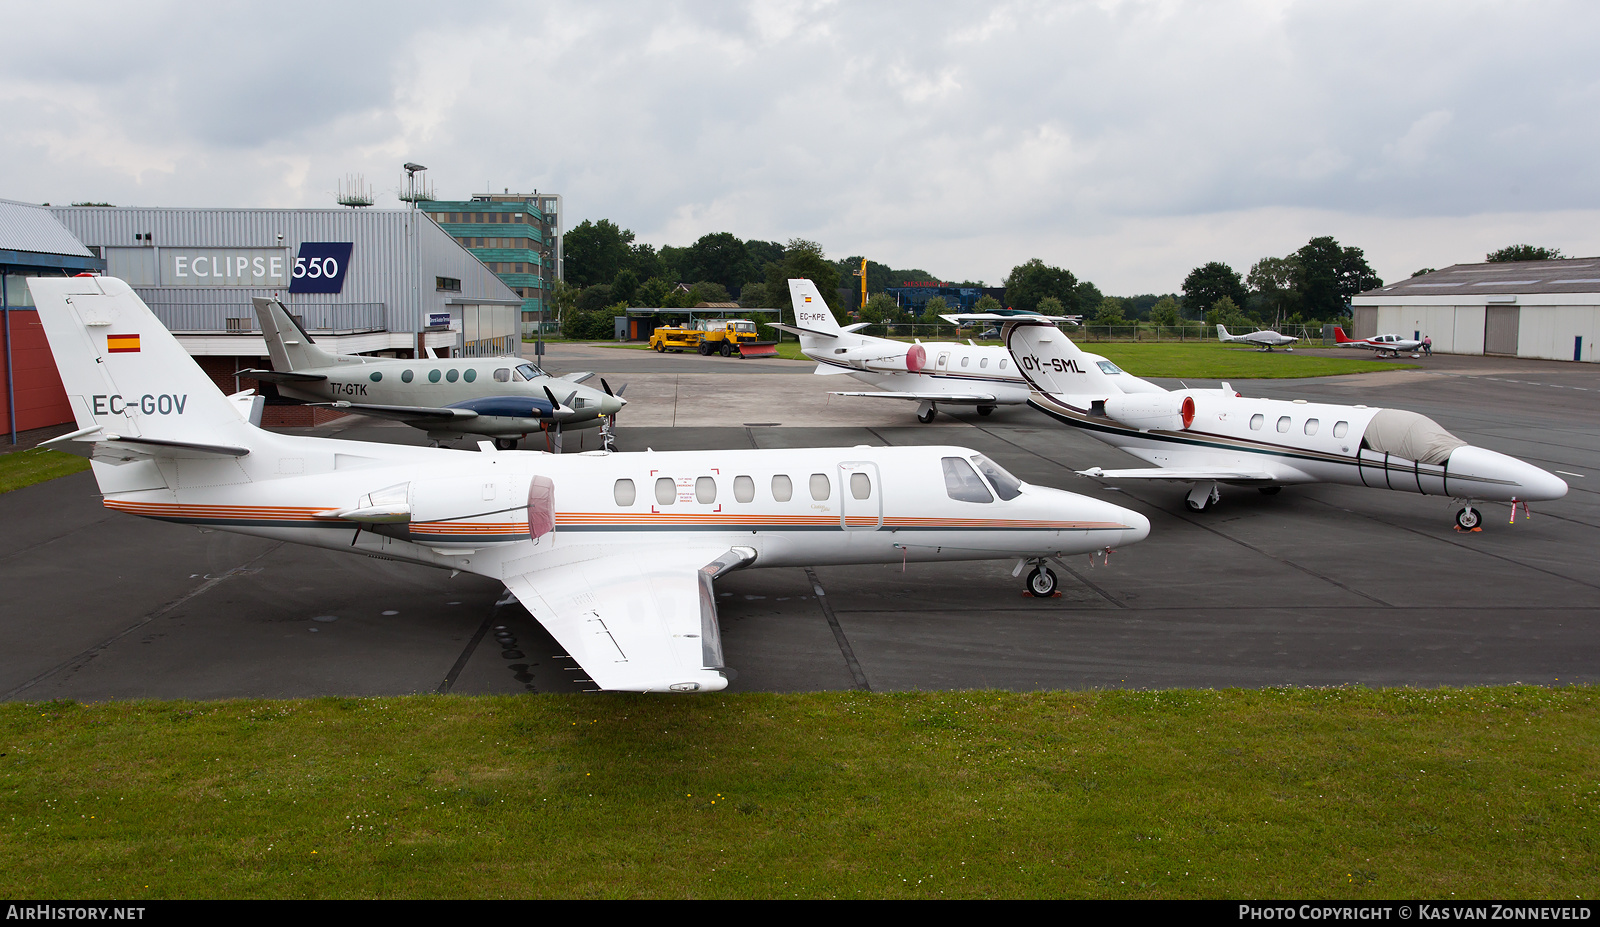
(447, 284)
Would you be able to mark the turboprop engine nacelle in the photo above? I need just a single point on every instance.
(882, 358)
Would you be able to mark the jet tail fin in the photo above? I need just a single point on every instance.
(811, 312)
(130, 383)
(1052, 363)
(288, 344)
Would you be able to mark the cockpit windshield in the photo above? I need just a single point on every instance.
(528, 372)
(1411, 436)
(1005, 485)
(961, 483)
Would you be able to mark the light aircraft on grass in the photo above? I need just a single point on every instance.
(504, 398)
(615, 554)
(931, 373)
(1207, 437)
(1392, 345)
(1265, 338)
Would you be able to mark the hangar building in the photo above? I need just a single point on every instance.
(32, 244)
(362, 281)
(1546, 309)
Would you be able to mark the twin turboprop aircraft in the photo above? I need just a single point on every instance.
(504, 398)
(1207, 437)
(1265, 338)
(935, 373)
(615, 554)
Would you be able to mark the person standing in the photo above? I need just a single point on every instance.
(1427, 345)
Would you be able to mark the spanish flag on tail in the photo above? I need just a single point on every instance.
(122, 344)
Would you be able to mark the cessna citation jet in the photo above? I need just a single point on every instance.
(504, 398)
(935, 373)
(1392, 345)
(1266, 339)
(1211, 436)
(615, 554)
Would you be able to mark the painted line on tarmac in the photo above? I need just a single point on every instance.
(838, 633)
(208, 585)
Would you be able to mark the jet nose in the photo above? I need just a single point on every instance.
(1138, 526)
(1133, 526)
(1504, 477)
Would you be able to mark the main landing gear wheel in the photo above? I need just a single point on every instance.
(985, 410)
(927, 412)
(505, 444)
(1041, 583)
(1197, 505)
(1468, 518)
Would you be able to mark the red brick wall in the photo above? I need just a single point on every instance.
(41, 399)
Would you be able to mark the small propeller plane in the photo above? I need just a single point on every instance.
(1391, 345)
(1207, 437)
(504, 398)
(615, 554)
(1266, 338)
(932, 373)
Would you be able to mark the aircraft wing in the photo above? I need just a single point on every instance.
(930, 397)
(636, 624)
(423, 414)
(576, 377)
(273, 376)
(1182, 475)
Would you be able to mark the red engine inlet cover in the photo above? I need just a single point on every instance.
(916, 358)
(1187, 411)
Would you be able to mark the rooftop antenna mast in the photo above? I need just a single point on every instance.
(354, 192)
(415, 192)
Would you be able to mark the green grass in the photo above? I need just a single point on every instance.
(1276, 793)
(1199, 360)
(24, 468)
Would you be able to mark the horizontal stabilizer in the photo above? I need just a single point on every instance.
(274, 376)
(803, 331)
(954, 398)
(400, 413)
(1182, 475)
(94, 443)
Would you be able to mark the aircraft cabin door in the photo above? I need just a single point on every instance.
(860, 496)
(541, 508)
(944, 361)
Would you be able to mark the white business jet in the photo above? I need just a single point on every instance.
(1211, 436)
(1391, 345)
(615, 554)
(1267, 339)
(932, 374)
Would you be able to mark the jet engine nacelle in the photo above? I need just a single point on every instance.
(882, 358)
(1152, 411)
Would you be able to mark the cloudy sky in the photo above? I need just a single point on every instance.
(1128, 141)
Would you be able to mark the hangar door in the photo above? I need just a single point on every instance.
(1364, 322)
(1500, 324)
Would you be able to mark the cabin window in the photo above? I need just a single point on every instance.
(433, 376)
(1311, 426)
(705, 490)
(666, 490)
(1002, 364)
(984, 362)
(821, 489)
(405, 376)
(1256, 420)
(744, 489)
(1340, 429)
(451, 375)
(376, 376)
(860, 486)
(782, 488)
(964, 361)
(1283, 424)
(1005, 485)
(623, 492)
(961, 482)
(469, 374)
(503, 375)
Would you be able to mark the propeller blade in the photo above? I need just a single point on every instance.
(555, 405)
(606, 386)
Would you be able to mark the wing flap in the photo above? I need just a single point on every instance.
(633, 626)
(423, 414)
(274, 376)
(929, 397)
(1183, 475)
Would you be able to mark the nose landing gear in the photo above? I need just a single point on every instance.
(1468, 518)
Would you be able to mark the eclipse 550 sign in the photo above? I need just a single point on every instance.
(320, 267)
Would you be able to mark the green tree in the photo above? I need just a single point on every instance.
(1514, 253)
(1208, 283)
(1052, 306)
(1327, 276)
(625, 286)
(802, 258)
(933, 308)
(1110, 312)
(1088, 294)
(1030, 282)
(987, 303)
(595, 251)
(1166, 311)
(720, 258)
